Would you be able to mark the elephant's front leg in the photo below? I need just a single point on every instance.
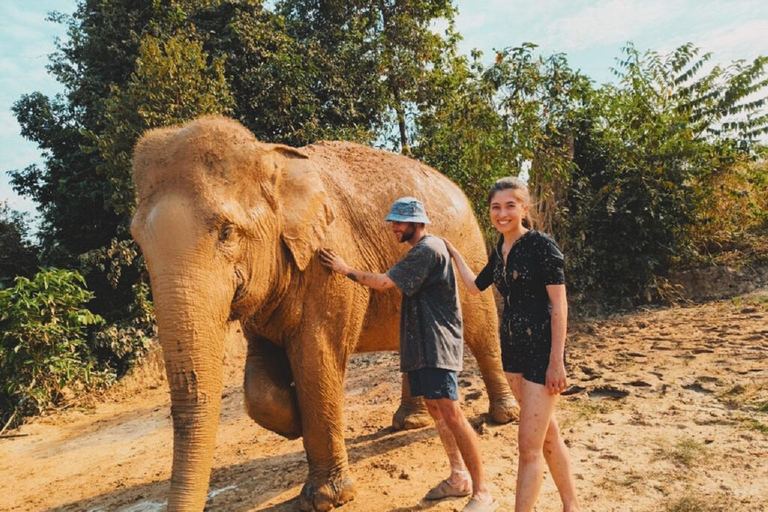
(318, 369)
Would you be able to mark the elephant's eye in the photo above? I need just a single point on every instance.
(227, 232)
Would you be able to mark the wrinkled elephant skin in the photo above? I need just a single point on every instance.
(229, 228)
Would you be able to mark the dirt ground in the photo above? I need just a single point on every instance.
(668, 411)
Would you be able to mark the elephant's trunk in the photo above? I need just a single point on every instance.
(192, 333)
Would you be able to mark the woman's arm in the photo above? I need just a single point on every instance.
(464, 271)
(556, 379)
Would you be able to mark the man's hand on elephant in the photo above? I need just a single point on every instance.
(333, 261)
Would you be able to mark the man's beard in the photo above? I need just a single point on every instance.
(408, 233)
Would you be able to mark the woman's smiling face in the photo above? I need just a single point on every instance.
(507, 210)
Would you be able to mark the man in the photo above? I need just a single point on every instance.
(431, 343)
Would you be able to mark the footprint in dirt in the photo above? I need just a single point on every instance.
(590, 373)
(607, 391)
(638, 384)
(696, 386)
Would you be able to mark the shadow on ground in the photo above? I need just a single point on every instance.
(243, 487)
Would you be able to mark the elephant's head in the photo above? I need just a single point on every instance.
(222, 221)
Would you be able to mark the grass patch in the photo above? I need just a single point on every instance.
(749, 397)
(587, 409)
(754, 424)
(687, 504)
(755, 299)
(751, 404)
(632, 479)
(691, 502)
(733, 397)
(617, 482)
(686, 452)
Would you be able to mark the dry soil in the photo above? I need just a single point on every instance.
(667, 412)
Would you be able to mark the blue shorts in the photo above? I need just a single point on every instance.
(434, 383)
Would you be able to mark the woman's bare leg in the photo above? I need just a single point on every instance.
(554, 450)
(537, 406)
(558, 460)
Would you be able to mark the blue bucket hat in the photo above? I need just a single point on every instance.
(408, 209)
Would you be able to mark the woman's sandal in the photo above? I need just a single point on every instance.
(445, 490)
(475, 505)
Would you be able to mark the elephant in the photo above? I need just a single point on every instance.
(230, 228)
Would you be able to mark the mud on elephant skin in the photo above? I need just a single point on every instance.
(229, 228)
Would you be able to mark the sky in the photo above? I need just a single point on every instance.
(590, 32)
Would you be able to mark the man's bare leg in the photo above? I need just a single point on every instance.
(466, 440)
(459, 478)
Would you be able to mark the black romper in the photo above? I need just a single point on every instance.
(534, 262)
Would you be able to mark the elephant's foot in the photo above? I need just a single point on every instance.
(411, 414)
(322, 496)
(503, 410)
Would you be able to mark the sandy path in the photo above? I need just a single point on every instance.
(668, 412)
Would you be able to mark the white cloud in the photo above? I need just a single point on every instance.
(732, 42)
(592, 32)
(469, 21)
(609, 23)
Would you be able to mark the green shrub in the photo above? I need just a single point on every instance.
(662, 173)
(732, 218)
(43, 352)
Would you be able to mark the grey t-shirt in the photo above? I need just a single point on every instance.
(431, 332)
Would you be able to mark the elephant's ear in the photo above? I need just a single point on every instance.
(304, 204)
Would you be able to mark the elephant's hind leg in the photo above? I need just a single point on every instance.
(412, 412)
(481, 332)
(270, 397)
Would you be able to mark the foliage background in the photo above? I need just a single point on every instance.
(661, 171)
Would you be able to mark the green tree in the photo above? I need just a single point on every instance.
(492, 120)
(376, 58)
(731, 225)
(465, 136)
(18, 256)
(284, 90)
(99, 53)
(173, 82)
(126, 67)
(541, 100)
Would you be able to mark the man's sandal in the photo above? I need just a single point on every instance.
(475, 505)
(445, 490)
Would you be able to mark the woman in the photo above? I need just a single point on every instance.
(527, 268)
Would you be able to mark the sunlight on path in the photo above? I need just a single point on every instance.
(154, 506)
